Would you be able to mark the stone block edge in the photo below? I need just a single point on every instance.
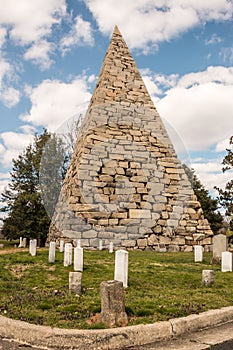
(115, 338)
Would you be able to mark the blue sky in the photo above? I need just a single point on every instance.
(51, 53)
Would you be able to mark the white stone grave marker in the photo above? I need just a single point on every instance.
(52, 252)
(24, 243)
(68, 254)
(32, 247)
(226, 262)
(61, 246)
(20, 242)
(100, 244)
(198, 253)
(111, 247)
(121, 267)
(78, 259)
(219, 245)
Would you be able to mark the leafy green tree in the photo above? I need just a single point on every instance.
(209, 204)
(22, 200)
(226, 195)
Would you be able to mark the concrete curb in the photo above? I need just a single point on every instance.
(116, 338)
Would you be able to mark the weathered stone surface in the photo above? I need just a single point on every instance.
(219, 245)
(112, 304)
(207, 277)
(75, 282)
(125, 182)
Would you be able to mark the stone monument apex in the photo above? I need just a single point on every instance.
(125, 183)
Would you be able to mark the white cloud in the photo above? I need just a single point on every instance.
(10, 97)
(151, 86)
(211, 175)
(227, 54)
(3, 185)
(160, 20)
(214, 39)
(54, 101)
(157, 83)
(3, 33)
(209, 167)
(12, 144)
(39, 53)
(80, 34)
(5, 70)
(222, 145)
(213, 74)
(199, 107)
(30, 21)
(4, 181)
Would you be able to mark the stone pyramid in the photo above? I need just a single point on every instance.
(125, 183)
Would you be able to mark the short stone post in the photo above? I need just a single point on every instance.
(226, 262)
(121, 267)
(111, 247)
(198, 253)
(52, 252)
(207, 277)
(68, 254)
(113, 304)
(78, 259)
(75, 282)
(61, 246)
(100, 244)
(78, 243)
(32, 247)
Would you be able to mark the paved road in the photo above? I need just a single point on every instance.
(216, 338)
(9, 345)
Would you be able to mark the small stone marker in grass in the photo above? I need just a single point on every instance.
(32, 247)
(75, 282)
(207, 277)
(113, 304)
(226, 262)
(198, 253)
(52, 252)
(68, 254)
(121, 267)
(78, 259)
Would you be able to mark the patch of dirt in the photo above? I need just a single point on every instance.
(13, 250)
(17, 270)
(94, 319)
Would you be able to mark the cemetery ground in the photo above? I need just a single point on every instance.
(161, 286)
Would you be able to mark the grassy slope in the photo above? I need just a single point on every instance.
(161, 286)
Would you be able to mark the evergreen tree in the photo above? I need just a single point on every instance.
(209, 205)
(22, 200)
(226, 195)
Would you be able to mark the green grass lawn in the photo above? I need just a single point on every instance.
(161, 286)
